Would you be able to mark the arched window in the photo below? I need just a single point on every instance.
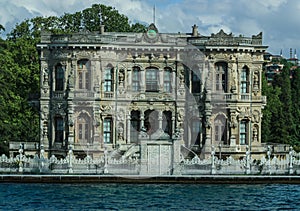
(107, 130)
(168, 80)
(243, 132)
(151, 79)
(195, 131)
(221, 76)
(83, 67)
(59, 129)
(167, 122)
(108, 79)
(84, 129)
(135, 126)
(195, 82)
(220, 129)
(59, 77)
(151, 121)
(244, 80)
(136, 79)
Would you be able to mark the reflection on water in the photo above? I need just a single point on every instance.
(148, 197)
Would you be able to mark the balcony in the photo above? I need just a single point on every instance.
(58, 94)
(229, 97)
(108, 95)
(84, 94)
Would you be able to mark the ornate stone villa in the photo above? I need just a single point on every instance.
(153, 96)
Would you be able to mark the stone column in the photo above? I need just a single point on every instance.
(173, 81)
(97, 124)
(161, 80)
(142, 119)
(128, 85)
(144, 157)
(176, 152)
(70, 124)
(173, 122)
(44, 104)
(233, 126)
(160, 118)
(143, 81)
(128, 126)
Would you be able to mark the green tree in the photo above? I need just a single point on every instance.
(272, 113)
(296, 105)
(20, 70)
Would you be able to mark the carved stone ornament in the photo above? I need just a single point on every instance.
(256, 116)
(233, 121)
(121, 115)
(59, 108)
(105, 108)
(243, 112)
(255, 133)
(120, 132)
(59, 54)
(143, 133)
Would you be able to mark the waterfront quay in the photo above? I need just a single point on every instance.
(140, 179)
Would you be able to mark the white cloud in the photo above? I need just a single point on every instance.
(278, 19)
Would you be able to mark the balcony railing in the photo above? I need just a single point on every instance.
(236, 97)
(84, 94)
(58, 94)
(108, 95)
(245, 97)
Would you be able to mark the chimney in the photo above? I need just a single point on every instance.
(195, 30)
(291, 53)
(102, 30)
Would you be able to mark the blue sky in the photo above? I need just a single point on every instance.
(277, 19)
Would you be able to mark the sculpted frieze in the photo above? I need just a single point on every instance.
(59, 54)
(243, 112)
(59, 108)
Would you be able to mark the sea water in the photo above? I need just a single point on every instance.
(113, 196)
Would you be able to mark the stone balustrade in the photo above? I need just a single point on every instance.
(268, 165)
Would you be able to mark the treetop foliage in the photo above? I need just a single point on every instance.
(20, 69)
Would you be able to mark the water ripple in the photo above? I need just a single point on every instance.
(148, 197)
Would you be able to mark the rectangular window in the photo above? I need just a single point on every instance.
(221, 76)
(87, 81)
(107, 130)
(195, 83)
(80, 131)
(59, 78)
(108, 80)
(86, 131)
(80, 80)
(243, 132)
(167, 81)
(59, 129)
(151, 80)
(244, 81)
(136, 80)
(83, 67)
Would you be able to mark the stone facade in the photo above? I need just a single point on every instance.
(153, 96)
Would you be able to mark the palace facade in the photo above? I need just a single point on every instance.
(153, 96)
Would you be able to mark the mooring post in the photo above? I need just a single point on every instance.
(21, 159)
(248, 166)
(269, 159)
(213, 166)
(291, 152)
(105, 161)
(70, 156)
